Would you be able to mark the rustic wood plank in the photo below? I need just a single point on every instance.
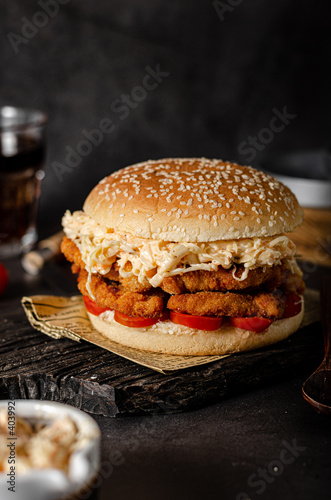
(312, 238)
(33, 365)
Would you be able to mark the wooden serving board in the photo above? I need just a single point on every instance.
(34, 366)
(313, 238)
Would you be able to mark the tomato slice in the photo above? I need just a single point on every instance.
(92, 307)
(293, 305)
(208, 323)
(137, 321)
(255, 324)
(4, 278)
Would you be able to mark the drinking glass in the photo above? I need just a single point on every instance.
(22, 157)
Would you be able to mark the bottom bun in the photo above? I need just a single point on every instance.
(168, 338)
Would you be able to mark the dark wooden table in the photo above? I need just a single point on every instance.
(264, 443)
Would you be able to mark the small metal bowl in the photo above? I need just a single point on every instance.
(47, 484)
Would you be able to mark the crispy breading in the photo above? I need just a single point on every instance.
(293, 284)
(72, 253)
(114, 296)
(262, 304)
(133, 298)
(223, 280)
(193, 281)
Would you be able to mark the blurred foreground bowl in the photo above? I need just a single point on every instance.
(44, 484)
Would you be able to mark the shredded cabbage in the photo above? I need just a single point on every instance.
(154, 260)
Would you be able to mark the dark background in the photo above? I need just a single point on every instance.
(225, 78)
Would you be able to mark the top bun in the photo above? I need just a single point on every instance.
(193, 199)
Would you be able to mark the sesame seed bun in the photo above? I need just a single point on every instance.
(195, 200)
(168, 338)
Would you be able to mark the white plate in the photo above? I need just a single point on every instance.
(309, 192)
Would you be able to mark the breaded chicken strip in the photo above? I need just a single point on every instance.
(293, 284)
(194, 281)
(114, 296)
(261, 304)
(223, 280)
(72, 254)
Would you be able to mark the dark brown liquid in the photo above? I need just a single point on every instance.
(20, 161)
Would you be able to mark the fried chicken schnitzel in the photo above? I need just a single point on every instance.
(194, 281)
(211, 293)
(114, 296)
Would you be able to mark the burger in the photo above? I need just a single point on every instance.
(188, 256)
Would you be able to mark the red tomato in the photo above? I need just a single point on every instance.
(208, 323)
(137, 321)
(4, 278)
(256, 324)
(92, 307)
(293, 305)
